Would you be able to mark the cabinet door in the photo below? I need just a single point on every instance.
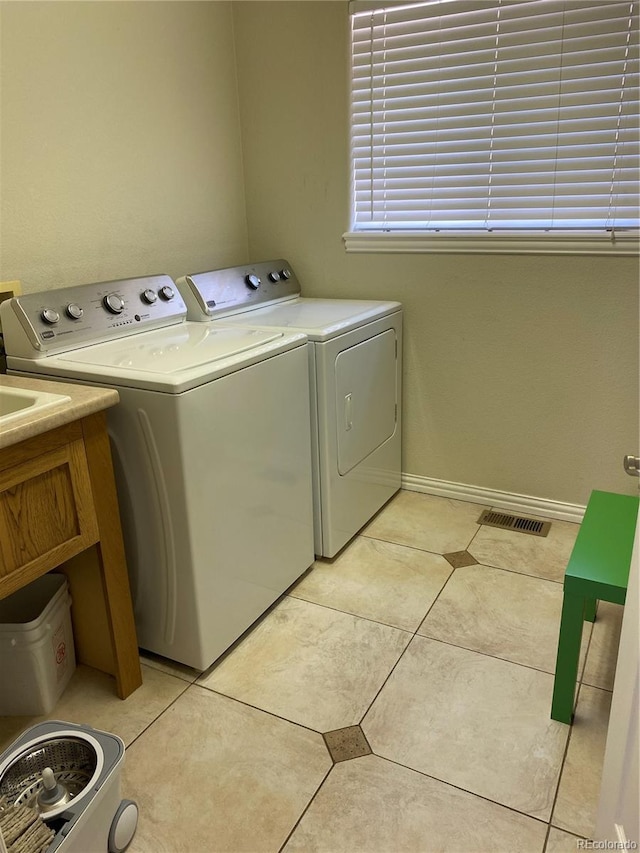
(46, 514)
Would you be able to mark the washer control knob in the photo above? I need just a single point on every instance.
(50, 316)
(285, 274)
(252, 281)
(166, 292)
(113, 303)
(149, 296)
(274, 276)
(74, 311)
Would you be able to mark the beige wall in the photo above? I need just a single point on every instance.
(521, 372)
(120, 143)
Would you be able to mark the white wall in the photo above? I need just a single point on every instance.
(521, 371)
(120, 144)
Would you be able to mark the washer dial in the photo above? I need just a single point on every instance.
(50, 316)
(166, 292)
(252, 281)
(149, 296)
(113, 303)
(74, 311)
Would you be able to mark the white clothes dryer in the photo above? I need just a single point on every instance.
(211, 446)
(355, 375)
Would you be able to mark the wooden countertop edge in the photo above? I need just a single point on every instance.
(85, 400)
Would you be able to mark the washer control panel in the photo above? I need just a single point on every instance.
(226, 291)
(56, 320)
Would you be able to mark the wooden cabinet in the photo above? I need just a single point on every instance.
(58, 499)
(46, 506)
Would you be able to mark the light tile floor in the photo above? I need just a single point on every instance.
(445, 675)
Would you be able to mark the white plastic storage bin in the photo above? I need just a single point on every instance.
(37, 656)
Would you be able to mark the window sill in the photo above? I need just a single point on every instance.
(408, 242)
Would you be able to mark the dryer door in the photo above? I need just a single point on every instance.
(366, 398)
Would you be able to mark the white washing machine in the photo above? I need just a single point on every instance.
(211, 445)
(355, 373)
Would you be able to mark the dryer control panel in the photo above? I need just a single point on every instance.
(53, 321)
(228, 291)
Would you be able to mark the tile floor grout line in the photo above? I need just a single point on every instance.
(432, 605)
(516, 572)
(164, 710)
(581, 680)
(415, 634)
(594, 687)
(401, 544)
(390, 673)
(456, 787)
(485, 654)
(164, 672)
(481, 565)
(332, 560)
(564, 757)
(568, 832)
(159, 668)
(306, 808)
(473, 537)
(355, 615)
(264, 711)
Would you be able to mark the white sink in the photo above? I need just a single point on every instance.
(18, 402)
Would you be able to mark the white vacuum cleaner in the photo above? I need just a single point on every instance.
(68, 778)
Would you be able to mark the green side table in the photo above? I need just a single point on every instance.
(598, 569)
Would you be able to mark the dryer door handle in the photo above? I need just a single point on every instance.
(348, 423)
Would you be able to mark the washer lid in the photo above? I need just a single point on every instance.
(169, 351)
(174, 359)
(319, 319)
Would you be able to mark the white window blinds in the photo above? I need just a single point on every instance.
(481, 116)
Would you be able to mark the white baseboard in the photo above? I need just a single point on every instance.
(523, 504)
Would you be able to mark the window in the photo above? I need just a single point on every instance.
(489, 120)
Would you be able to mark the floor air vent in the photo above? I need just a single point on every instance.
(514, 522)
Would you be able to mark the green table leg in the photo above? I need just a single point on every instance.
(590, 605)
(564, 685)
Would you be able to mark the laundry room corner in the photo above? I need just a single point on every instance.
(517, 367)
